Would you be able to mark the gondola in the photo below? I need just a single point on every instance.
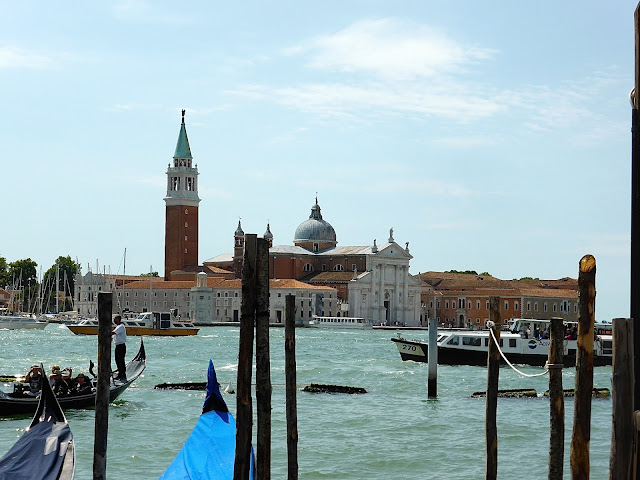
(18, 404)
(209, 452)
(46, 450)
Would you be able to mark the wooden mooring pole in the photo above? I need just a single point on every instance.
(101, 430)
(244, 408)
(493, 371)
(622, 431)
(263, 362)
(291, 387)
(635, 211)
(584, 369)
(432, 357)
(556, 400)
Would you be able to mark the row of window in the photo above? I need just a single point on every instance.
(336, 268)
(155, 304)
(565, 306)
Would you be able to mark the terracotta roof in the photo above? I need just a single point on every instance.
(549, 292)
(468, 281)
(273, 284)
(328, 277)
(209, 270)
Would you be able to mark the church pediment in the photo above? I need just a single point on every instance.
(393, 250)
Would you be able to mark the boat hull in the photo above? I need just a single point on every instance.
(168, 332)
(17, 323)
(411, 350)
(16, 406)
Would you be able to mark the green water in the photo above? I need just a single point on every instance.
(393, 431)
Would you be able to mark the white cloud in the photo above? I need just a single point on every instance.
(389, 48)
(14, 57)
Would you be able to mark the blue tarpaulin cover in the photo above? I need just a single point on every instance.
(46, 450)
(209, 452)
(38, 454)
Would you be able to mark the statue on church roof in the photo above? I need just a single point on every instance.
(391, 235)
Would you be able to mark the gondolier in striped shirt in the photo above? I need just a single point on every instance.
(120, 339)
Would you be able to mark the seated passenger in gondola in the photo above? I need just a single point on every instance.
(58, 384)
(33, 378)
(81, 385)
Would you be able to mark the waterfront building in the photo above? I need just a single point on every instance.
(204, 300)
(5, 297)
(462, 299)
(371, 281)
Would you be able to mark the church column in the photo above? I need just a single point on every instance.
(405, 295)
(381, 309)
(396, 296)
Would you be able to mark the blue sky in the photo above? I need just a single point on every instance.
(492, 136)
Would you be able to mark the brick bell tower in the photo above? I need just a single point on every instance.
(181, 225)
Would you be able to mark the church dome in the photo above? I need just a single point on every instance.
(315, 229)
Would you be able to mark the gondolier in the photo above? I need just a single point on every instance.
(120, 339)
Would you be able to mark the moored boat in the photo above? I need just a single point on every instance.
(46, 450)
(16, 403)
(470, 347)
(15, 322)
(147, 323)
(340, 322)
(209, 452)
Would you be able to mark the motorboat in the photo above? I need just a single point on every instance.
(356, 323)
(521, 344)
(147, 323)
(15, 322)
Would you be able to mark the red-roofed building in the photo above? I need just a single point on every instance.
(462, 299)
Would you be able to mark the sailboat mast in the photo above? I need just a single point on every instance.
(57, 287)
(124, 273)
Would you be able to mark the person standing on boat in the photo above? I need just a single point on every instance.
(120, 339)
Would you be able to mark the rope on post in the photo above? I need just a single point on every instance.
(546, 367)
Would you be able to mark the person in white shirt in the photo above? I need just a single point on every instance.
(120, 339)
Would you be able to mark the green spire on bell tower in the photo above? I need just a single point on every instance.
(182, 148)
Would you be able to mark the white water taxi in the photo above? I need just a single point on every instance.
(14, 322)
(147, 323)
(470, 347)
(340, 322)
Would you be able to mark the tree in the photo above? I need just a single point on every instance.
(150, 274)
(22, 276)
(467, 272)
(4, 270)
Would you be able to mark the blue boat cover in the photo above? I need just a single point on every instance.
(40, 453)
(209, 452)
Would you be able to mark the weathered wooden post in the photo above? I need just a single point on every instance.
(244, 407)
(584, 369)
(291, 386)
(432, 382)
(635, 212)
(556, 399)
(493, 371)
(263, 362)
(101, 429)
(622, 431)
